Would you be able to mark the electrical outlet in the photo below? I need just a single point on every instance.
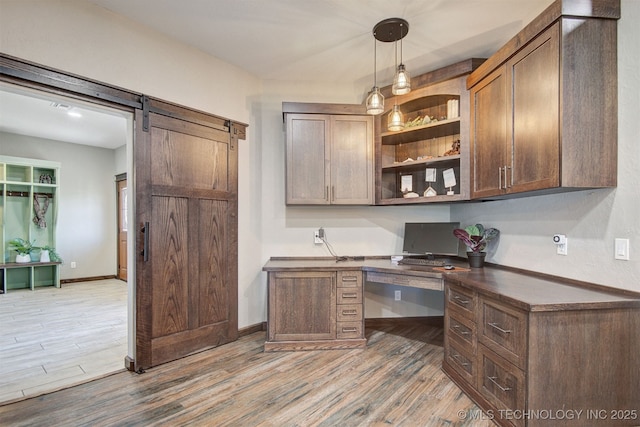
(73, 264)
(398, 295)
(318, 235)
(561, 248)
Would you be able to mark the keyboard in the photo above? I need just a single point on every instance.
(422, 261)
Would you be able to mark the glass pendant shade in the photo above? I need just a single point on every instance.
(396, 119)
(375, 101)
(401, 81)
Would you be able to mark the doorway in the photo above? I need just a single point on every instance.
(36, 124)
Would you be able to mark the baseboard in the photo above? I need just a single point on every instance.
(86, 279)
(371, 323)
(129, 364)
(248, 330)
(399, 321)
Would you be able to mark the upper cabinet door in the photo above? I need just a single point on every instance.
(534, 76)
(489, 135)
(329, 159)
(307, 159)
(351, 160)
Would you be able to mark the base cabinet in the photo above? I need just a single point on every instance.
(545, 365)
(313, 310)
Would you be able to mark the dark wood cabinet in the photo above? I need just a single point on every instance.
(488, 134)
(315, 309)
(543, 108)
(329, 157)
(523, 346)
(515, 122)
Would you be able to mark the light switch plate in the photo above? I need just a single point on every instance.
(621, 248)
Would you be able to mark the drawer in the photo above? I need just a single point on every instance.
(503, 329)
(461, 328)
(349, 295)
(461, 299)
(349, 312)
(349, 330)
(406, 280)
(501, 383)
(461, 361)
(350, 279)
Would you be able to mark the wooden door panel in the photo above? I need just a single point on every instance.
(295, 318)
(123, 207)
(534, 76)
(307, 156)
(208, 170)
(352, 160)
(488, 135)
(169, 249)
(186, 282)
(213, 298)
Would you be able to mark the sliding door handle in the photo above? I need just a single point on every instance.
(145, 242)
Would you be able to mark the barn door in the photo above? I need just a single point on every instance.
(186, 243)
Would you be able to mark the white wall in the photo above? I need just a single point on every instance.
(86, 229)
(590, 219)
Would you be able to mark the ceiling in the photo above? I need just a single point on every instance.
(298, 40)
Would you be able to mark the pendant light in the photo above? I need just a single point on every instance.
(402, 79)
(375, 99)
(395, 120)
(389, 30)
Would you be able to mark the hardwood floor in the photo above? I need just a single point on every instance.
(395, 381)
(52, 338)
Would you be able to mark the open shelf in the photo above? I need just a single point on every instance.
(422, 132)
(416, 164)
(28, 187)
(433, 150)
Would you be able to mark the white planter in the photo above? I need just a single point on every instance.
(23, 258)
(44, 256)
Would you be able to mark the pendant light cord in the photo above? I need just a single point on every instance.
(375, 61)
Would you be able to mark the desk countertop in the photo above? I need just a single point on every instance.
(527, 290)
(374, 264)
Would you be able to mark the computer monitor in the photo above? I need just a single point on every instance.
(430, 238)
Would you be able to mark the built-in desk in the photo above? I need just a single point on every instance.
(524, 346)
(318, 303)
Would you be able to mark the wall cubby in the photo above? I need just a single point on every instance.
(27, 186)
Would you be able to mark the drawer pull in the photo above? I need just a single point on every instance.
(457, 358)
(493, 380)
(460, 330)
(351, 295)
(495, 326)
(349, 312)
(460, 300)
(349, 330)
(349, 278)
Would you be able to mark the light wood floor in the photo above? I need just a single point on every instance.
(395, 381)
(55, 337)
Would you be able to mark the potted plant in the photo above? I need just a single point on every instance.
(48, 254)
(23, 247)
(476, 237)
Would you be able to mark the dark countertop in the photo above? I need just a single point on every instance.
(527, 290)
